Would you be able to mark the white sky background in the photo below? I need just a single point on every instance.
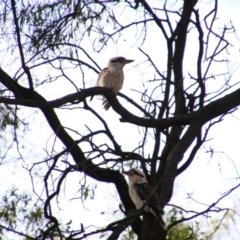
(205, 179)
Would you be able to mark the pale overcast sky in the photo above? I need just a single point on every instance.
(205, 179)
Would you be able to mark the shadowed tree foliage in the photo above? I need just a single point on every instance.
(50, 53)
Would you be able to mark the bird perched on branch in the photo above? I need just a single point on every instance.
(140, 191)
(112, 77)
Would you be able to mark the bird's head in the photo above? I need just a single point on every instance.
(118, 62)
(135, 175)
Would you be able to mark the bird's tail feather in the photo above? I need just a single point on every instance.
(106, 104)
(161, 222)
(159, 217)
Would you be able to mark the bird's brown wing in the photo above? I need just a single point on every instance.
(103, 71)
(144, 190)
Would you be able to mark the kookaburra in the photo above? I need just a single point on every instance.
(112, 77)
(140, 190)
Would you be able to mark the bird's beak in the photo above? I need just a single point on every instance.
(128, 61)
(128, 173)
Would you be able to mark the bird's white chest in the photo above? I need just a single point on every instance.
(135, 198)
(112, 79)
